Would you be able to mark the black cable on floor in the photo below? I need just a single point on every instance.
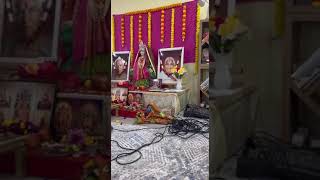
(160, 136)
(180, 127)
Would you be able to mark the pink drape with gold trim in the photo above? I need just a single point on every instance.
(191, 33)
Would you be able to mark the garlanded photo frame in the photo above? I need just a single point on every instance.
(31, 102)
(120, 68)
(135, 97)
(29, 31)
(168, 58)
(119, 94)
(80, 111)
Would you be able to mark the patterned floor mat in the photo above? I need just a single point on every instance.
(173, 158)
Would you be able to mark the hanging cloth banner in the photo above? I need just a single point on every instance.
(165, 27)
(91, 29)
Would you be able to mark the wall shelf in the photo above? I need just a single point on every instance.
(203, 67)
(300, 18)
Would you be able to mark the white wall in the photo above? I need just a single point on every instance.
(123, 6)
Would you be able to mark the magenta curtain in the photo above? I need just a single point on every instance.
(90, 37)
(191, 24)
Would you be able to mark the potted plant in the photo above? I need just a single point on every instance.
(225, 33)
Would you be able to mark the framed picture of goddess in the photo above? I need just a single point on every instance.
(29, 30)
(143, 65)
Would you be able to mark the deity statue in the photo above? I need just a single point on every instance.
(22, 107)
(63, 117)
(32, 24)
(89, 118)
(140, 66)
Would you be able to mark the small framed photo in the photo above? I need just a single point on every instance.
(169, 58)
(27, 102)
(119, 94)
(79, 111)
(135, 98)
(120, 66)
(29, 30)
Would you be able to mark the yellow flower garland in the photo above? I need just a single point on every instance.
(149, 29)
(149, 11)
(113, 37)
(197, 41)
(172, 27)
(131, 36)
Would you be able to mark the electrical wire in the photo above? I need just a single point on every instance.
(274, 150)
(180, 127)
(133, 151)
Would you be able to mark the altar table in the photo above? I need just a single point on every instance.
(168, 101)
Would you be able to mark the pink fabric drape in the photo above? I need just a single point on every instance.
(90, 37)
(189, 44)
(140, 74)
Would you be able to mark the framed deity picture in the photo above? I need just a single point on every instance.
(120, 66)
(143, 65)
(119, 94)
(168, 58)
(79, 111)
(27, 102)
(29, 30)
(135, 98)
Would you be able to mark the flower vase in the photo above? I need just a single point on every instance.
(179, 84)
(222, 77)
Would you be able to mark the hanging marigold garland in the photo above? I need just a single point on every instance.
(131, 37)
(172, 27)
(184, 19)
(197, 40)
(149, 29)
(122, 32)
(162, 26)
(113, 34)
(140, 28)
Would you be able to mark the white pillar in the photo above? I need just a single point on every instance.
(231, 7)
